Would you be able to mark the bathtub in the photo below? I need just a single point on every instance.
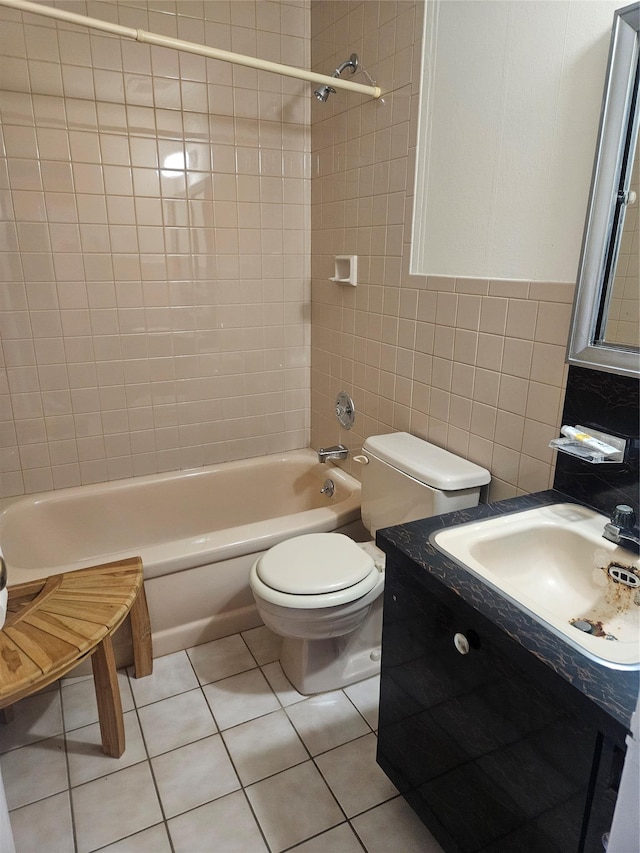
(198, 533)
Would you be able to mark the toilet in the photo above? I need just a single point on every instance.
(322, 592)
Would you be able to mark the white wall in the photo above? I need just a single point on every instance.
(511, 100)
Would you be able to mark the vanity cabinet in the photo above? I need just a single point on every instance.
(492, 749)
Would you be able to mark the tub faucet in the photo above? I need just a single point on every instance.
(621, 531)
(338, 451)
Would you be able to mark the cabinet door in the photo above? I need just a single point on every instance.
(490, 758)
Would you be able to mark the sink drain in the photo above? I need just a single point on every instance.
(591, 627)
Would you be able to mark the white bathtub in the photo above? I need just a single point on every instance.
(197, 532)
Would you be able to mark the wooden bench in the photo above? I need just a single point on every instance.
(54, 624)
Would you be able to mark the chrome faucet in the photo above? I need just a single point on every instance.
(338, 451)
(621, 531)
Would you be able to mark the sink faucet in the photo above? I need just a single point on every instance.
(621, 530)
(338, 451)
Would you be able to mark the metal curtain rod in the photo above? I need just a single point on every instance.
(189, 47)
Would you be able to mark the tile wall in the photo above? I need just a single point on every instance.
(154, 240)
(623, 319)
(473, 365)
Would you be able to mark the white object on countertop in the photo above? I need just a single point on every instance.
(589, 441)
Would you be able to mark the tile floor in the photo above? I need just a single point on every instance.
(223, 755)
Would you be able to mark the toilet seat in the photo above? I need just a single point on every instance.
(315, 570)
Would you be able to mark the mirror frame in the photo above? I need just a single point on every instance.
(618, 111)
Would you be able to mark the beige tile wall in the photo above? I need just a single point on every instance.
(475, 366)
(623, 319)
(154, 240)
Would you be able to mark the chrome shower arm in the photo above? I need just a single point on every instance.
(351, 63)
(323, 92)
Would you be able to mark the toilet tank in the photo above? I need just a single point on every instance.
(406, 478)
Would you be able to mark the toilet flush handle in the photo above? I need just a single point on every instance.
(362, 460)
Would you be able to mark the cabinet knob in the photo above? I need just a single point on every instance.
(461, 643)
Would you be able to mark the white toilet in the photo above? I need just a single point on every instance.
(322, 592)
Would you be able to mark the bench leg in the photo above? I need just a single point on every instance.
(108, 698)
(141, 635)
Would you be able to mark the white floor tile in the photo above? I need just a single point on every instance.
(240, 698)
(114, 807)
(280, 684)
(36, 717)
(264, 746)
(394, 826)
(288, 800)
(227, 825)
(326, 720)
(221, 658)
(172, 674)
(79, 704)
(153, 840)
(194, 775)
(340, 839)
(293, 805)
(351, 772)
(365, 695)
(264, 644)
(34, 772)
(87, 761)
(176, 721)
(45, 825)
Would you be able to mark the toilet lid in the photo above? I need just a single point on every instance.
(314, 563)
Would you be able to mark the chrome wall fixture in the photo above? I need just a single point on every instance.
(323, 92)
(345, 410)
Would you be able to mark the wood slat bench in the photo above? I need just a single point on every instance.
(54, 624)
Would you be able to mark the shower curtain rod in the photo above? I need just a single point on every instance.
(189, 46)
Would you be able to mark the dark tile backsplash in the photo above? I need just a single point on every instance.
(609, 403)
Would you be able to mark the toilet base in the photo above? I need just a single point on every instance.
(318, 666)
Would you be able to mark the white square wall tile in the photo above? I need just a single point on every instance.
(114, 807)
(240, 698)
(293, 805)
(353, 775)
(326, 720)
(176, 721)
(172, 674)
(221, 658)
(264, 746)
(194, 775)
(227, 824)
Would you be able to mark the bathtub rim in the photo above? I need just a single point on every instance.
(186, 553)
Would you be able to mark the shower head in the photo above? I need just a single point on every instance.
(323, 92)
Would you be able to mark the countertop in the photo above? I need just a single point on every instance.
(613, 690)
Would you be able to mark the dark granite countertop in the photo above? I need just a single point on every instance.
(614, 690)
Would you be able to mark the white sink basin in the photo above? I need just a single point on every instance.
(553, 562)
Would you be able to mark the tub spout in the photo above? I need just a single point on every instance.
(338, 451)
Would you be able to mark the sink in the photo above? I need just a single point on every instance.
(553, 562)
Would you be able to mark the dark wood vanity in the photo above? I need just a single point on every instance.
(497, 733)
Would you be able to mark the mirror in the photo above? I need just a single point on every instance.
(605, 331)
